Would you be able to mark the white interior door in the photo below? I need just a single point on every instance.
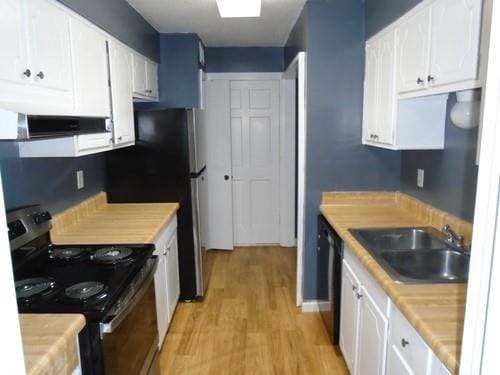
(255, 161)
(216, 119)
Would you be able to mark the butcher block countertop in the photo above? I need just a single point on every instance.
(49, 342)
(95, 221)
(436, 311)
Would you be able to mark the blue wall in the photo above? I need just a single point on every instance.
(50, 181)
(332, 32)
(122, 21)
(177, 72)
(244, 59)
(450, 174)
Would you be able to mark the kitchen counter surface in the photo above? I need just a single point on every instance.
(97, 222)
(435, 310)
(49, 342)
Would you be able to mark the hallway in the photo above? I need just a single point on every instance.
(248, 322)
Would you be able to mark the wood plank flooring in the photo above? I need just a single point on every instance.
(248, 322)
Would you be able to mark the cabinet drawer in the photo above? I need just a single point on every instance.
(92, 141)
(409, 343)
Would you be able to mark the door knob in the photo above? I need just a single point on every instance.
(226, 177)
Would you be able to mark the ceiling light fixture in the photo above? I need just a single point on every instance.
(239, 8)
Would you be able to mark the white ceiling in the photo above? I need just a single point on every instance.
(202, 17)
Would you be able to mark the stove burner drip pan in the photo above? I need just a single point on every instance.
(34, 286)
(84, 291)
(112, 254)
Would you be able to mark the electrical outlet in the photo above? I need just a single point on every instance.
(420, 178)
(80, 183)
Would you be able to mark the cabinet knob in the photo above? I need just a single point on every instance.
(226, 177)
(120, 138)
(41, 75)
(359, 295)
(404, 343)
(419, 81)
(354, 288)
(27, 73)
(430, 78)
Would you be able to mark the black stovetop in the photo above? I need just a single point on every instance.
(36, 262)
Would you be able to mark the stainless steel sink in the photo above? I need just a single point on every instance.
(415, 255)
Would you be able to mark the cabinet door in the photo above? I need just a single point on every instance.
(371, 349)
(349, 316)
(121, 94)
(161, 294)
(455, 34)
(386, 91)
(152, 79)
(139, 77)
(49, 45)
(90, 63)
(13, 61)
(370, 107)
(173, 284)
(413, 52)
(396, 364)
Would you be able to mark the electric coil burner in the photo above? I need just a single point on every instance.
(85, 291)
(112, 255)
(28, 289)
(112, 285)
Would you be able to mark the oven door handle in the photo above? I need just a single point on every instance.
(122, 314)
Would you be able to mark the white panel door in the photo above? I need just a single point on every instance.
(255, 161)
(349, 316)
(386, 91)
(413, 52)
(371, 98)
(456, 26)
(216, 119)
(161, 293)
(14, 67)
(139, 78)
(372, 339)
(90, 62)
(121, 94)
(49, 45)
(152, 79)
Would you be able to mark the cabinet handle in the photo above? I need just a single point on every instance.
(41, 75)
(404, 343)
(419, 81)
(430, 78)
(27, 73)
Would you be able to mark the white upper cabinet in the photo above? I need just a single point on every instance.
(455, 35)
(121, 99)
(49, 45)
(413, 52)
(90, 62)
(438, 47)
(36, 71)
(144, 78)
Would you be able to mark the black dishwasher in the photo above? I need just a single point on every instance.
(330, 266)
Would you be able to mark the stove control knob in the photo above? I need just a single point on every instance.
(41, 217)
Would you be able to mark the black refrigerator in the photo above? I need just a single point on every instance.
(164, 166)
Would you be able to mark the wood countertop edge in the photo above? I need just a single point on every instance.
(440, 348)
(42, 358)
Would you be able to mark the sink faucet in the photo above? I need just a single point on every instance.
(454, 240)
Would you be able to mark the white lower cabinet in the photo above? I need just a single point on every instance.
(375, 338)
(167, 287)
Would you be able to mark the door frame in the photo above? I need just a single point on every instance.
(297, 70)
(286, 153)
(482, 323)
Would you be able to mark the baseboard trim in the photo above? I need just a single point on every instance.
(315, 306)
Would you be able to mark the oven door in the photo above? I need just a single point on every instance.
(130, 338)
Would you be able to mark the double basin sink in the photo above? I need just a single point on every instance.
(415, 255)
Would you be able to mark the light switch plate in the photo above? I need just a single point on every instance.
(420, 178)
(80, 183)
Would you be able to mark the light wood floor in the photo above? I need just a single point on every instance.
(248, 322)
